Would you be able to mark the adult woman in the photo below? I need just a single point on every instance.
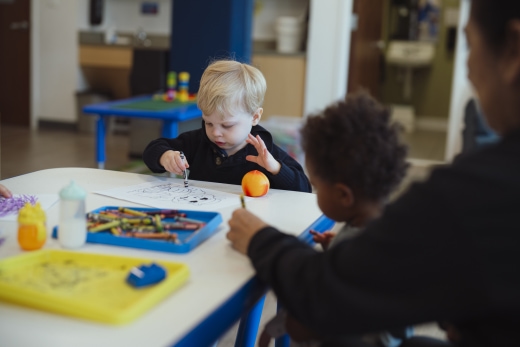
(447, 250)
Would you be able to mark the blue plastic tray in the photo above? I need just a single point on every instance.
(188, 240)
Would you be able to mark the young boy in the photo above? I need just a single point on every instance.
(230, 142)
(354, 160)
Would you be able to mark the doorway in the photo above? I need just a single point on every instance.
(15, 88)
(366, 49)
(376, 23)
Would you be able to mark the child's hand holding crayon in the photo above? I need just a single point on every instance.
(322, 238)
(172, 162)
(264, 158)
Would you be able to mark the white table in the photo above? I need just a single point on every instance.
(221, 287)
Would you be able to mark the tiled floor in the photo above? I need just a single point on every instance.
(23, 151)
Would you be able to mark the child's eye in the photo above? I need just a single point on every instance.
(209, 124)
(227, 126)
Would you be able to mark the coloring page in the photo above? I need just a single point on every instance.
(173, 196)
(9, 207)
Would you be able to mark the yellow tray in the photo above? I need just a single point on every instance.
(91, 286)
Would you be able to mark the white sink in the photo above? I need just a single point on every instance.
(410, 53)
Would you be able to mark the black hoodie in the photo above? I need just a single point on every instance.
(210, 163)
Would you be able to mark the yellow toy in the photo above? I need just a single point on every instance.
(180, 81)
(184, 81)
(32, 232)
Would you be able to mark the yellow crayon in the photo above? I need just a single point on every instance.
(132, 212)
(105, 226)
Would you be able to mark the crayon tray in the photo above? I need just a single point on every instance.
(186, 241)
(89, 286)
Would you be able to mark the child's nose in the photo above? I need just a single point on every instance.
(216, 131)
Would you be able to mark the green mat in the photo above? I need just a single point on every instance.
(153, 105)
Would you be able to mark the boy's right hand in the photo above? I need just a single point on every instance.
(299, 332)
(172, 162)
(322, 238)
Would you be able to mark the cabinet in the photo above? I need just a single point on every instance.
(105, 56)
(285, 77)
(107, 68)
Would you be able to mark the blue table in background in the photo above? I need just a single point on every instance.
(140, 107)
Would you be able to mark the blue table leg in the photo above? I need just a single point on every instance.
(248, 328)
(170, 129)
(100, 142)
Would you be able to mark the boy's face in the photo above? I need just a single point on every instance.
(332, 198)
(229, 131)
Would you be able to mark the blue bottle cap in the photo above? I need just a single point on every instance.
(73, 192)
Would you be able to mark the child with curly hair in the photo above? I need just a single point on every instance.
(354, 160)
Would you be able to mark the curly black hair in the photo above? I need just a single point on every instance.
(353, 142)
(493, 18)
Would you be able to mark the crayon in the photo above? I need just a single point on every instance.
(158, 224)
(115, 231)
(190, 220)
(181, 226)
(184, 173)
(132, 212)
(155, 236)
(145, 220)
(105, 226)
(169, 213)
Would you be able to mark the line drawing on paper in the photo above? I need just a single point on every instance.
(177, 193)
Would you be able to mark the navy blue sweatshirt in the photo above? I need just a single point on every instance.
(447, 250)
(210, 163)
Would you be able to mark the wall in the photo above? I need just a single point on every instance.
(54, 60)
(124, 15)
(431, 87)
(56, 75)
(328, 51)
(55, 69)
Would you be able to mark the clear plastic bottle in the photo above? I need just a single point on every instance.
(72, 228)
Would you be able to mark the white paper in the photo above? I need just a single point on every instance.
(173, 196)
(46, 201)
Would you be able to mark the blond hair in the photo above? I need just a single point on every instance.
(227, 85)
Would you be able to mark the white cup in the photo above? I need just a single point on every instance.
(289, 34)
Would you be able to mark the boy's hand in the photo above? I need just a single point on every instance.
(264, 158)
(6, 193)
(243, 225)
(322, 238)
(299, 332)
(172, 162)
(264, 339)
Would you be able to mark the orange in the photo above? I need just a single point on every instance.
(255, 184)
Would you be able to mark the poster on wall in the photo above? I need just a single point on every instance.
(428, 19)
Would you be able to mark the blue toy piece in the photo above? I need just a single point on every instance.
(146, 275)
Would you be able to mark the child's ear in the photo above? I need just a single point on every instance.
(257, 115)
(345, 195)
